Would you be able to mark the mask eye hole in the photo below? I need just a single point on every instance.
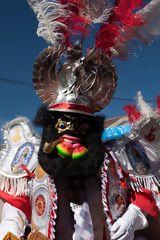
(62, 126)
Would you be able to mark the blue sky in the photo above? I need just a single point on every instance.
(19, 46)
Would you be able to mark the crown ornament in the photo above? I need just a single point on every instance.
(81, 84)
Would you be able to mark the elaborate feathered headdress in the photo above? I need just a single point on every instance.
(86, 84)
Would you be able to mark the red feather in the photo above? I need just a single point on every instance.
(75, 22)
(123, 18)
(133, 115)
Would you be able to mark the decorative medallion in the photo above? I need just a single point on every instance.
(117, 201)
(22, 157)
(137, 158)
(117, 196)
(40, 205)
(120, 204)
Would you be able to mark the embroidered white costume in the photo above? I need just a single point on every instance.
(114, 205)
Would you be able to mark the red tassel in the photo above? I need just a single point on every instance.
(123, 18)
(133, 115)
(158, 103)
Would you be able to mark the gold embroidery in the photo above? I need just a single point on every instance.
(10, 236)
(40, 173)
(35, 235)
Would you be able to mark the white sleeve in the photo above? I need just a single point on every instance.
(13, 220)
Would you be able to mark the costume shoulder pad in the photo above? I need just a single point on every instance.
(138, 151)
(18, 155)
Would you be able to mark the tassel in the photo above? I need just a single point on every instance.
(14, 186)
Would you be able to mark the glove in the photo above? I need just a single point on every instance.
(13, 220)
(125, 226)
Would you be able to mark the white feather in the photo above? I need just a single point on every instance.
(145, 33)
(97, 11)
(151, 14)
(47, 12)
(143, 107)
